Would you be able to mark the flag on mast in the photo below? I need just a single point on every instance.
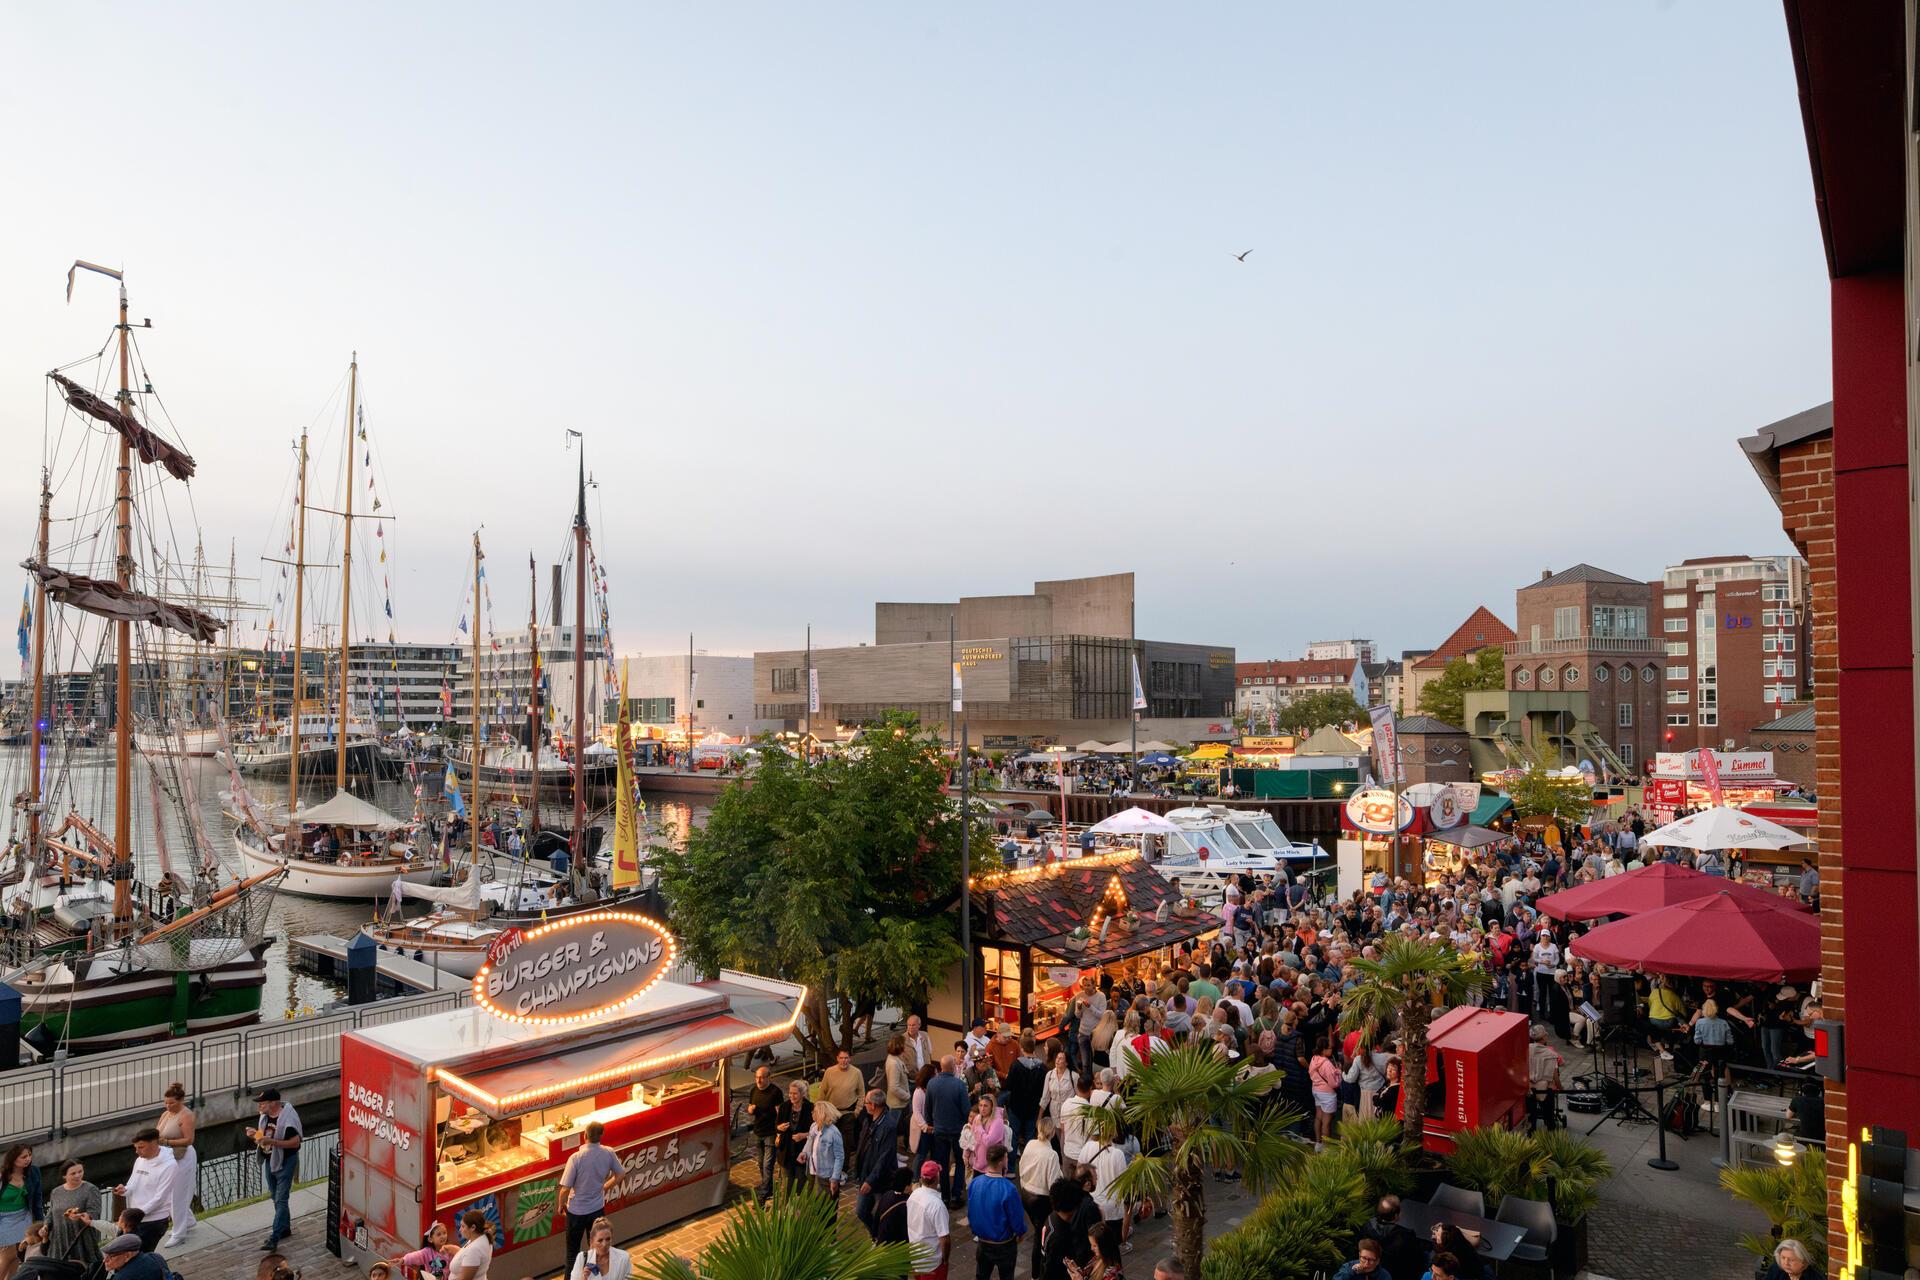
(626, 818)
(1139, 694)
(813, 691)
(957, 696)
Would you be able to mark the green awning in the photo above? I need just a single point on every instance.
(1490, 807)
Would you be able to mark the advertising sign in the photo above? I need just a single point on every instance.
(1386, 746)
(813, 691)
(1445, 812)
(1373, 811)
(1732, 765)
(1278, 746)
(577, 969)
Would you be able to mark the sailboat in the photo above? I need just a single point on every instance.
(344, 847)
(101, 958)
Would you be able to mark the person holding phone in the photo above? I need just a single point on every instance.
(600, 1260)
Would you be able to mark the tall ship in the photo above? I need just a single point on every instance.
(344, 847)
(104, 952)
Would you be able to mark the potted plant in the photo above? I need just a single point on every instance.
(1550, 1165)
(1794, 1199)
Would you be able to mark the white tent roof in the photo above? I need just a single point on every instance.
(1136, 821)
(1155, 745)
(345, 810)
(1725, 828)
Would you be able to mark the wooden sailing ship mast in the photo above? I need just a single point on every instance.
(346, 588)
(473, 811)
(299, 628)
(576, 868)
(533, 701)
(36, 735)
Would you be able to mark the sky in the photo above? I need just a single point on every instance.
(857, 302)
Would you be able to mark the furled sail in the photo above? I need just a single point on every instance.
(464, 896)
(149, 446)
(113, 601)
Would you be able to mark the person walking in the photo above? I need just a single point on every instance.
(898, 1075)
(929, 1227)
(946, 1117)
(600, 1260)
(72, 1206)
(278, 1137)
(996, 1217)
(149, 1188)
(176, 1126)
(825, 1152)
(796, 1118)
(19, 1206)
(1025, 1080)
(1039, 1169)
(763, 1112)
(844, 1085)
(590, 1175)
(875, 1159)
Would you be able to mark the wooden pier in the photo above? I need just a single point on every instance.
(325, 954)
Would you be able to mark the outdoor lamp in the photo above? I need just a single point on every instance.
(1785, 1149)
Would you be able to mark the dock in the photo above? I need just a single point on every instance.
(326, 955)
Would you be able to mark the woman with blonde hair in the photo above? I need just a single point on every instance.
(1103, 1033)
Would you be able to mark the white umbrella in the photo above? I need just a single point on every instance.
(1136, 821)
(1724, 827)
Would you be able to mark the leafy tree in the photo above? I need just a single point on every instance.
(1185, 1104)
(1407, 979)
(837, 873)
(794, 1237)
(1321, 708)
(1540, 792)
(1444, 697)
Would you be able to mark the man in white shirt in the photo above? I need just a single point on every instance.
(1107, 1159)
(149, 1188)
(1073, 1132)
(929, 1230)
(1102, 1095)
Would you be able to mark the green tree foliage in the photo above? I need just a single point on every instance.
(1445, 697)
(1794, 1200)
(1405, 981)
(793, 1237)
(1185, 1105)
(1312, 711)
(1538, 793)
(839, 874)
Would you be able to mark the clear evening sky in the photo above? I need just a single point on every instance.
(859, 302)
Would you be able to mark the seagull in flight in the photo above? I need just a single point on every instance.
(1241, 257)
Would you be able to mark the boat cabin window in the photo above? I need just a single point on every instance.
(1254, 835)
(1234, 835)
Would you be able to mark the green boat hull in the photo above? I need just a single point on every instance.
(143, 1007)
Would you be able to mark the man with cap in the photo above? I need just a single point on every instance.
(123, 1258)
(929, 1229)
(278, 1138)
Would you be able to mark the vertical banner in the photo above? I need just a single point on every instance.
(813, 691)
(626, 817)
(1139, 694)
(1710, 773)
(1386, 746)
(956, 687)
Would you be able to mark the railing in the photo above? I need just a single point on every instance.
(44, 1102)
(227, 1180)
(1585, 644)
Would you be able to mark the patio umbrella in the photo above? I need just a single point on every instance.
(1033, 815)
(1136, 821)
(1724, 827)
(1649, 889)
(1159, 760)
(1718, 936)
(1154, 744)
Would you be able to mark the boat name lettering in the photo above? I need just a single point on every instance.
(374, 1113)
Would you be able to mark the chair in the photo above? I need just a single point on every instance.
(1458, 1199)
(1535, 1217)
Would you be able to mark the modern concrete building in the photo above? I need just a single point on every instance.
(1735, 632)
(1048, 668)
(722, 691)
(1584, 675)
(1360, 650)
(506, 681)
(399, 685)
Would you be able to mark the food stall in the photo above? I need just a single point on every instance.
(572, 1022)
(1040, 931)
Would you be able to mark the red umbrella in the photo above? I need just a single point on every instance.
(1718, 936)
(1661, 884)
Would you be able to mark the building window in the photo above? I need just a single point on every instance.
(1000, 987)
(1626, 715)
(1522, 677)
(1789, 668)
(1675, 600)
(1776, 591)
(1678, 719)
(1619, 621)
(1679, 696)
(1625, 751)
(1777, 693)
(1676, 648)
(1646, 675)
(1679, 673)
(1603, 673)
(1571, 676)
(1708, 719)
(1566, 622)
(786, 679)
(1674, 624)
(1546, 677)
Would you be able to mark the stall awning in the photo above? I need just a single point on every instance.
(1042, 906)
(1468, 837)
(758, 1013)
(1490, 807)
(1149, 935)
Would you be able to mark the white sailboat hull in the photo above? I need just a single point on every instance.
(182, 742)
(341, 882)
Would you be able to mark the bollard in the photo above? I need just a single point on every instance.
(1661, 1162)
(362, 972)
(9, 1028)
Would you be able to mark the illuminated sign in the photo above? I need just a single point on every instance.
(1732, 764)
(1373, 811)
(1279, 746)
(972, 655)
(577, 969)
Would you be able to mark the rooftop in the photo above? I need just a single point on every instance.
(1800, 721)
(1583, 573)
(1480, 630)
(1425, 724)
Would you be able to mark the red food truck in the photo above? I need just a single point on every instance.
(572, 1022)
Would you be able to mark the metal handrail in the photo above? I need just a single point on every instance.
(45, 1102)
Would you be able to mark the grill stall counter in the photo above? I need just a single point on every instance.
(480, 1108)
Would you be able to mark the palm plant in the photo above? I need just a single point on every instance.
(1189, 1113)
(1794, 1200)
(1404, 982)
(794, 1237)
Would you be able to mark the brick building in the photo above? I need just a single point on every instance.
(1735, 630)
(1791, 739)
(1584, 675)
(1422, 667)
(1433, 751)
(1274, 684)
